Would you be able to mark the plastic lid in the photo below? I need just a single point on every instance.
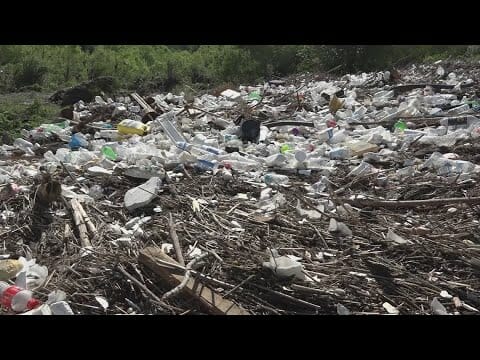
(300, 156)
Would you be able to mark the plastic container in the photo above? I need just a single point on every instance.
(460, 121)
(325, 135)
(78, 140)
(254, 95)
(339, 154)
(17, 299)
(284, 267)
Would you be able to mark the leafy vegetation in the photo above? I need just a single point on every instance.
(50, 67)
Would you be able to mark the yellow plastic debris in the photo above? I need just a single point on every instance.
(335, 104)
(132, 127)
(9, 269)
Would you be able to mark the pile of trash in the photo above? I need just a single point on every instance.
(350, 196)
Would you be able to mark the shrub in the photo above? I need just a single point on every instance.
(30, 72)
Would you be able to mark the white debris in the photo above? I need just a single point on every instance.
(340, 228)
(390, 308)
(142, 195)
(396, 238)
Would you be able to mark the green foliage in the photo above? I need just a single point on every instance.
(59, 66)
(16, 115)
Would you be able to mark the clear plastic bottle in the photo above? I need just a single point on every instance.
(17, 299)
(275, 160)
(22, 144)
(275, 179)
(199, 148)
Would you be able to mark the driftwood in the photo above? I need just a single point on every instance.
(144, 288)
(430, 120)
(393, 204)
(401, 88)
(283, 123)
(210, 300)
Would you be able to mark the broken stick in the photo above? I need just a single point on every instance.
(86, 219)
(176, 242)
(80, 224)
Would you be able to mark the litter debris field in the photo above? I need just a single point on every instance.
(312, 194)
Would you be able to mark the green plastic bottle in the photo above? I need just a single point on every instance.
(109, 153)
(400, 125)
(254, 95)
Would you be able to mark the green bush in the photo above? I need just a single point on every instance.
(29, 72)
(15, 116)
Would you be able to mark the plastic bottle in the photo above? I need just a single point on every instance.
(254, 95)
(275, 179)
(205, 165)
(109, 134)
(109, 153)
(460, 109)
(22, 144)
(400, 125)
(460, 121)
(17, 299)
(200, 148)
